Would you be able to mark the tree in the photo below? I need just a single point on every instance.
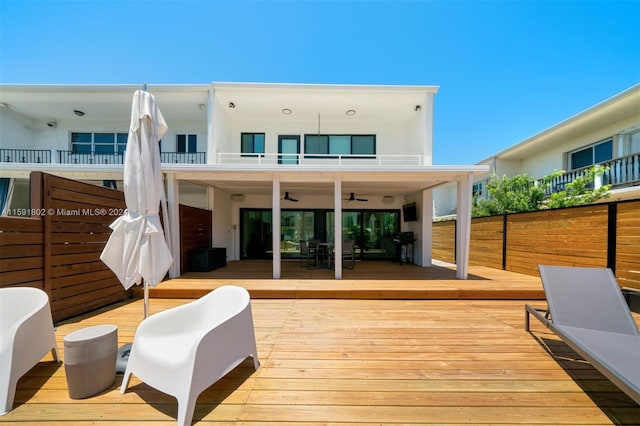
(522, 193)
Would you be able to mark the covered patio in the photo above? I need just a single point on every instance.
(436, 354)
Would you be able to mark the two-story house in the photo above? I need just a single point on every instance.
(275, 163)
(607, 134)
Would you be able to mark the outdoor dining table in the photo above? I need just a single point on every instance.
(325, 250)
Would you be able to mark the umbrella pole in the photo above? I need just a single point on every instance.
(146, 298)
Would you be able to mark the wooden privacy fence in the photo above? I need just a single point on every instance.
(58, 248)
(195, 232)
(597, 235)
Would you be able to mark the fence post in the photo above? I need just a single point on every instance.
(612, 225)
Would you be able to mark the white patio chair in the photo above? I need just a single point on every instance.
(184, 350)
(26, 335)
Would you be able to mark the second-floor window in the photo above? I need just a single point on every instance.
(590, 155)
(98, 143)
(186, 143)
(340, 144)
(252, 143)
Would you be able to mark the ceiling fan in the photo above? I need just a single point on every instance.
(352, 197)
(289, 197)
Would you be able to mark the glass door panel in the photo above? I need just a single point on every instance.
(288, 149)
(379, 228)
(255, 234)
(352, 229)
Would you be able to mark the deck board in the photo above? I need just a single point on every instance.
(357, 362)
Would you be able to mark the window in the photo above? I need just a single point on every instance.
(594, 154)
(340, 144)
(98, 143)
(252, 143)
(477, 189)
(186, 143)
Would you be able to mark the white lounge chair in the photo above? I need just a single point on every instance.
(26, 335)
(184, 350)
(589, 313)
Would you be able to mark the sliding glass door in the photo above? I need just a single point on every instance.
(372, 231)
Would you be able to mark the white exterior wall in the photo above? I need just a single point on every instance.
(16, 132)
(554, 159)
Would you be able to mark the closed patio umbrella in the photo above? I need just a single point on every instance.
(137, 249)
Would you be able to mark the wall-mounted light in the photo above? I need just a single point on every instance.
(232, 105)
(78, 112)
(351, 112)
(286, 111)
(201, 107)
(237, 197)
(417, 108)
(4, 105)
(52, 124)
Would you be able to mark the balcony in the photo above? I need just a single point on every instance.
(25, 156)
(620, 172)
(70, 157)
(273, 159)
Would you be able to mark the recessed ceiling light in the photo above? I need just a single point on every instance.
(351, 112)
(286, 111)
(78, 112)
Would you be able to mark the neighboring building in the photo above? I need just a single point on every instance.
(250, 152)
(607, 134)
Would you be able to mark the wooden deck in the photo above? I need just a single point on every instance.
(355, 361)
(368, 280)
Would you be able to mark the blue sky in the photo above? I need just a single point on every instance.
(506, 69)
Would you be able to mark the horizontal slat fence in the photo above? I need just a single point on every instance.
(628, 244)
(571, 237)
(444, 241)
(597, 235)
(76, 218)
(21, 252)
(195, 232)
(487, 242)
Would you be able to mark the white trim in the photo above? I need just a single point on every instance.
(275, 227)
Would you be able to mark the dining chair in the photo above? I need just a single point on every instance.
(308, 254)
(348, 255)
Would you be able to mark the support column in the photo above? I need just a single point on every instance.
(426, 256)
(212, 149)
(463, 225)
(173, 227)
(337, 228)
(275, 226)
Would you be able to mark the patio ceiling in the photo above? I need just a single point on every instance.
(317, 182)
(104, 104)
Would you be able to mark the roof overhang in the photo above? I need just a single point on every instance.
(615, 109)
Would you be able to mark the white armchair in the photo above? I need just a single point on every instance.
(26, 335)
(184, 350)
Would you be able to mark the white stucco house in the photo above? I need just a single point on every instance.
(607, 134)
(251, 152)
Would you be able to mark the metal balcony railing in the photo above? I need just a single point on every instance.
(184, 157)
(25, 156)
(271, 159)
(70, 157)
(619, 172)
